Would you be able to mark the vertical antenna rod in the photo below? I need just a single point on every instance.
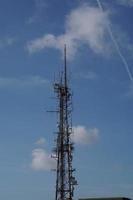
(65, 181)
(65, 66)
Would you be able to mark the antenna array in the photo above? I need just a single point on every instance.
(65, 181)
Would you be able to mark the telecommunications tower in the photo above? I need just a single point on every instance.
(63, 152)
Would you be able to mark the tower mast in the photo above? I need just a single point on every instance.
(65, 181)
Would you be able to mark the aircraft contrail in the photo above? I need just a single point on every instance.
(123, 59)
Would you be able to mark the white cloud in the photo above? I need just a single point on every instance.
(82, 135)
(126, 2)
(41, 141)
(31, 81)
(41, 160)
(84, 25)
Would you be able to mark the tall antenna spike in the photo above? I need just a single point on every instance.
(65, 66)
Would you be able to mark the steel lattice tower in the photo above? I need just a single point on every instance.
(65, 181)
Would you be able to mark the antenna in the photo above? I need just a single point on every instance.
(65, 66)
(65, 181)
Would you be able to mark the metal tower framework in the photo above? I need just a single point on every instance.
(65, 181)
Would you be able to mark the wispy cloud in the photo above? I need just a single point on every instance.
(31, 81)
(84, 25)
(125, 2)
(82, 135)
(129, 92)
(7, 41)
(41, 160)
(39, 5)
(90, 75)
(40, 141)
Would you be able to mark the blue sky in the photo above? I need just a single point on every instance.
(99, 42)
